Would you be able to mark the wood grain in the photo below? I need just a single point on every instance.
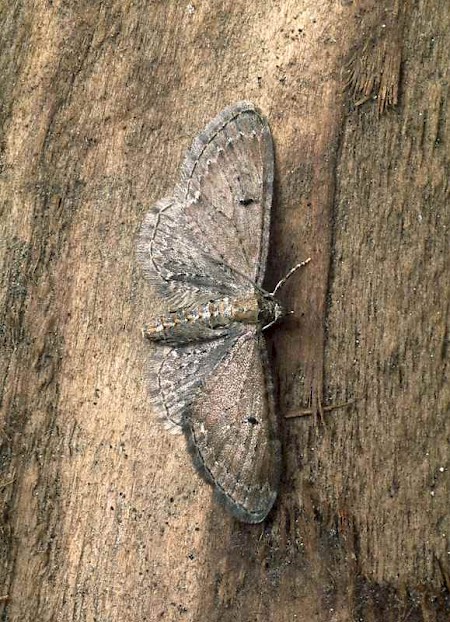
(102, 515)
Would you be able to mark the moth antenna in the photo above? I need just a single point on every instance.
(289, 274)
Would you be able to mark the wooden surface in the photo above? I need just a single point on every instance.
(102, 515)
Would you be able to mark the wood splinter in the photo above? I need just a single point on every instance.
(322, 409)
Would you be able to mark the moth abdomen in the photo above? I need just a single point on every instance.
(203, 322)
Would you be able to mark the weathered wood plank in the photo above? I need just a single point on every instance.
(103, 517)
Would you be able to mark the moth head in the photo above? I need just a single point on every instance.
(270, 310)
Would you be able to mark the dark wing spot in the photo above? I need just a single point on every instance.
(252, 420)
(246, 201)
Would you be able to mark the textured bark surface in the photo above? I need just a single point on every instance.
(102, 515)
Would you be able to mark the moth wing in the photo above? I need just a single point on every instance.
(232, 430)
(176, 263)
(177, 374)
(211, 237)
(227, 185)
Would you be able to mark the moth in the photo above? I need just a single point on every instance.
(204, 248)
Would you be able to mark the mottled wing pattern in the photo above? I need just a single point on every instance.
(211, 238)
(177, 374)
(232, 430)
(176, 264)
(227, 186)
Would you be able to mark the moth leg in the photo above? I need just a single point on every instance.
(270, 324)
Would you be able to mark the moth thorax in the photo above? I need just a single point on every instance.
(246, 309)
